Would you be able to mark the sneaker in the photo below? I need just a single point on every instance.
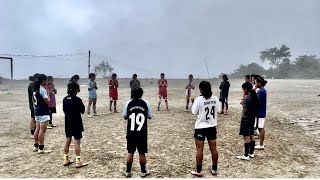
(221, 112)
(259, 147)
(251, 155)
(81, 164)
(90, 116)
(67, 163)
(49, 127)
(243, 157)
(45, 151)
(53, 125)
(116, 111)
(145, 174)
(158, 109)
(226, 113)
(35, 149)
(214, 172)
(195, 173)
(95, 114)
(127, 174)
(186, 110)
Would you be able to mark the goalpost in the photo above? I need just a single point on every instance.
(3, 69)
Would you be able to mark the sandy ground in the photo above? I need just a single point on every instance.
(292, 135)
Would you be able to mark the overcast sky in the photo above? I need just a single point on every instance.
(152, 36)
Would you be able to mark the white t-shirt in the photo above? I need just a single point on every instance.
(206, 109)
(43, 92)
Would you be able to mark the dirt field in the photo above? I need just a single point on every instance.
(292, 135)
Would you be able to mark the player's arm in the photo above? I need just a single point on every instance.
(111, 83)
(44, 95)
(195, 107)
(82, 108)
(125, 111)
(149, 110)
(159, 83)
(165, 83)
(116, 83)
(95, 85)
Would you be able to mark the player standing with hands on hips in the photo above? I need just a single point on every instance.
(163, 84)
(205, 107)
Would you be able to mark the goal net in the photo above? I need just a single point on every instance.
(5, 70)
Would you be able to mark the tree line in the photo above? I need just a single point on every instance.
(282, 65)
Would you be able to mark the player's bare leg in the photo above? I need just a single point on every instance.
(214, 156)
(226, 112)
(143, 162)
(89, 107)
(187, 104)
(115, 107)
(199, 158)
(94, 107)
(77, 151)
(32, 126)
(66, 152)
(35, 137)
(129, 165)
(159, 103)
(222, 109)
(261, 135)
(42, 131)
(110, 106)
(166, 101)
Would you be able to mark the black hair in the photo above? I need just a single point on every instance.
(190, 75)
(162, 74)
(31, 78)
(40, 78)
(114, 75)
(247, 76)
(74, 77)
(137, 93)
(253, 75)
(261, 80)
(134, 75)
(248, 86)
(73, 88)
(50, 78)
(205, 88)
(91, 75)
(225, 76)
(36, 75)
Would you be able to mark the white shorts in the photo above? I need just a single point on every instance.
(260, 122)
(42, 119)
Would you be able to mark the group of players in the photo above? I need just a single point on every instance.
(137, 112)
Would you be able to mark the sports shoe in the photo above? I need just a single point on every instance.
(45, 151)
(35, 149)
(214, 172)
(90, 116)
(67, 163)
(251, 155)
(259, 147)
(186, 110)
(95, 114)
(49, 127)
(226, 113)
(53, 125)
(247, 158)
(81, 164)
(195, 173)
(221, 112)
(127, 174)
(145, 174)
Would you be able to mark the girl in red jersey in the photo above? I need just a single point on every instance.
(163, 84)
(113, 92)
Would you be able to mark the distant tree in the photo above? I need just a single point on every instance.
(275, 56)
(307, 67)
(103, 69)
(252, 68)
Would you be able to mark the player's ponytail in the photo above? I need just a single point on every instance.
(261, 80)
(205, 88)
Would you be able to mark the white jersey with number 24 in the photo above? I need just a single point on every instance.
(206, 109)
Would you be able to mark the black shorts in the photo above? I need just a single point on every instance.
(137, 142)
(223, 100)
(77, 135)
(202, 134)
(32, 113)
(246, 128)
(52, 110)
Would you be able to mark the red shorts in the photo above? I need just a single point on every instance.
(163, 94)
(113, 95)
(114, 98)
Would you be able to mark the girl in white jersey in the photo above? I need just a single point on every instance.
(205, 107)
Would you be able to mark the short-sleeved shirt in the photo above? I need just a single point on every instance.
(162, 84)
(134, 84)
(262, 110)
(113, 88)
(73, 107)
(137, 111)
(92, 89)
(50, 89)
(39, 96)
(190, 88)
(224, 88)
(251, 105)
(30, 95)
(206, 110)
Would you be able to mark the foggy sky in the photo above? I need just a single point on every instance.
(170, 36)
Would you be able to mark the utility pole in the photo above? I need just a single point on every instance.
(89, 63)
(205, 59)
